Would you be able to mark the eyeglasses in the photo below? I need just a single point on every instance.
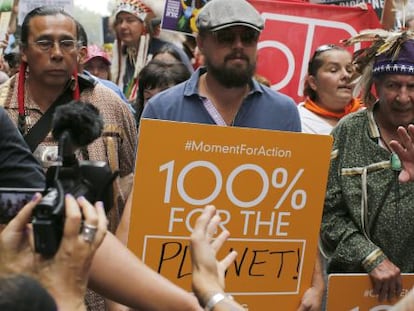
(228, 36)
(66, 45)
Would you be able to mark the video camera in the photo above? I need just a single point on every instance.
(75, 125)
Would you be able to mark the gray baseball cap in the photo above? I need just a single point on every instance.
(220, 14)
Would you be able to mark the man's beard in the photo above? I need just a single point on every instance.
(231, 76)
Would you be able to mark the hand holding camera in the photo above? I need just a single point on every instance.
(75, 125)
(65, 275)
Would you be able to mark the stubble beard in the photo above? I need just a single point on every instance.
(231, 77)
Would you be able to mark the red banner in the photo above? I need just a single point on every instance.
(294, 30)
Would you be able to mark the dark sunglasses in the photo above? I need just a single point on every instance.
(228, 36)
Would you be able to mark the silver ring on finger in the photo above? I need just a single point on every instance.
(88, 232)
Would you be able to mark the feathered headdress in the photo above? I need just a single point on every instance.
(146, 11)
(389, 52)
(142, 11)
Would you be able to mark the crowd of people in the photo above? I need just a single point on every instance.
(366, 222)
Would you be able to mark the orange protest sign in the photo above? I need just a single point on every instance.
(353, 292)
(268, 187)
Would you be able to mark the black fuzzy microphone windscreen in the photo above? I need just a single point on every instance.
(81, 119)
